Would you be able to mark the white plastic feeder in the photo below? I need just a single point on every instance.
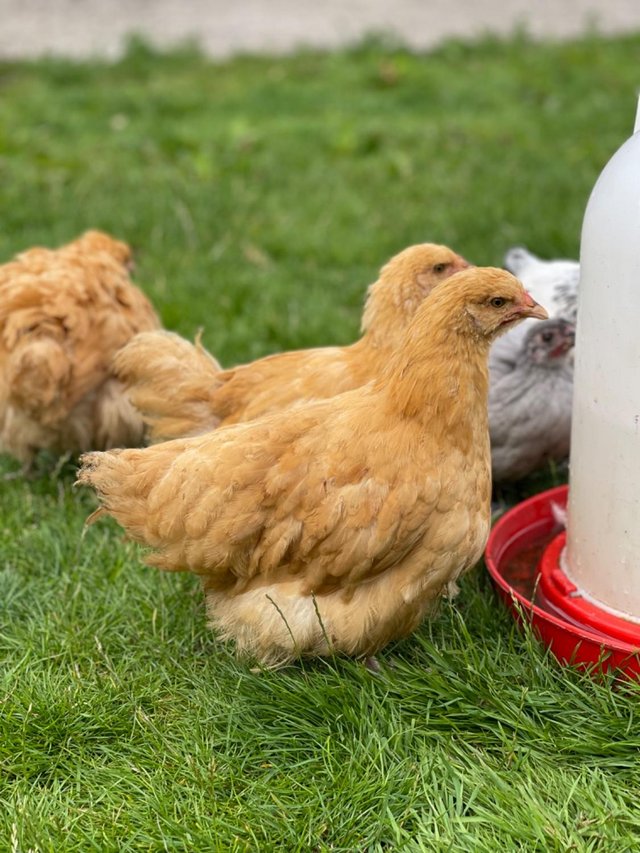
(580, 588)
(603, 534)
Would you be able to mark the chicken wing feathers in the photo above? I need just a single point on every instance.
(203, 398)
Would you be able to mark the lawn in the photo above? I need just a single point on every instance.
(261, 196)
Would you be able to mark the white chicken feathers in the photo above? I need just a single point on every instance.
(552, 283)
(530, 397)
(530, 406)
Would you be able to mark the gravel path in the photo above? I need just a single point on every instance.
(80, 28)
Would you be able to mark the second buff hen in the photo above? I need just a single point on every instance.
(181, 390)
(335, 525)
(63, 314)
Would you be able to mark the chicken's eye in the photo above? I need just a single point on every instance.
(498, 302)
(547, 337)
(440, 267)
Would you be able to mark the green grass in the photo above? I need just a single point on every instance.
(262, 196)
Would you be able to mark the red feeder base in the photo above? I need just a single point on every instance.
(522, 556)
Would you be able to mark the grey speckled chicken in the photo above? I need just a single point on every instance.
(552, 283)
(530, 406)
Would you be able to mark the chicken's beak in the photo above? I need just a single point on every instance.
(530, 308)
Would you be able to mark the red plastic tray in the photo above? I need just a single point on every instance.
(571, 641)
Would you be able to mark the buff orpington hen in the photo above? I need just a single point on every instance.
(181, 390)
(336, 525)
(63, 314)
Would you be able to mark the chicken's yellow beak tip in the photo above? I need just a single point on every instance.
(533, 309)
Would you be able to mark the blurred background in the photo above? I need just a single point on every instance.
(264, 160)
(82, 28)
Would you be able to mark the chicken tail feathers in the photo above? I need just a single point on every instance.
(95, 515)
(38, 373)
(169, 380)
(121, 491)
(117, 422)
(128, 484)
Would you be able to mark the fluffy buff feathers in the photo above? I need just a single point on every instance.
(63, 314)
(180, 389)
(335, 525)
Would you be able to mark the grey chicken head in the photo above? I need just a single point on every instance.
(547, 344)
